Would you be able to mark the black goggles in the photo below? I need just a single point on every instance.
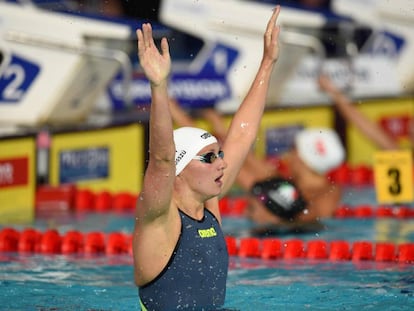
(209, 157)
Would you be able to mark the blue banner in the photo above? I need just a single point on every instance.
(196, 89)
(83, 164)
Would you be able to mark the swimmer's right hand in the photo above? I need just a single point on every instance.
(156, 65)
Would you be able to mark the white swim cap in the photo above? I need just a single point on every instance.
(188, 142)
(320, 148)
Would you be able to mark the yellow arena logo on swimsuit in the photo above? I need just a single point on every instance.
(207, 233)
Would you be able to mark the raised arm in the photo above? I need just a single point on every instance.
(353, 116)
(246, 121)
(253, 168)
(156, 193)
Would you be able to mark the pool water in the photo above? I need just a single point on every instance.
(59, 282)
(319, 286)
(38, 282)
(100, 282)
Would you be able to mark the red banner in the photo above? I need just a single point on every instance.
(14, 172)
(397, 126)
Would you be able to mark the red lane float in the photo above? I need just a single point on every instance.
(385, 252)
(406, 252)
(103, 201)
(73, 242)
(294, 248)
(367, 211)
(236, 206)
(317, 249)
(68, 198)
(339, 250)
(124, 201)
(51, 242)
(9, 240)
(95, 243)
(271, 248)
(29, 239)
(84, 200)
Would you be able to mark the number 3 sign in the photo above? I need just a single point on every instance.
(393, 172)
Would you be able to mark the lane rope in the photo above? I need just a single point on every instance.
(51, 241)
(70, 199)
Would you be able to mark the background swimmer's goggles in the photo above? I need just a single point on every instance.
(209, 157)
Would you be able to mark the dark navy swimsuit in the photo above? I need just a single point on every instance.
(195, 276)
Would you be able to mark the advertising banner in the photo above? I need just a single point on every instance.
(109, 159)
(392, 115)
(279, 127)
(17, 180)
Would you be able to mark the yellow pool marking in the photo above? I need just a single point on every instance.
(393, 176)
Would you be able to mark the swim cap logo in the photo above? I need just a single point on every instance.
(205, 135)
(320, 147)
(285, 195)
(180, 156)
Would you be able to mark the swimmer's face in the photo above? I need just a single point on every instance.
(205, 175)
